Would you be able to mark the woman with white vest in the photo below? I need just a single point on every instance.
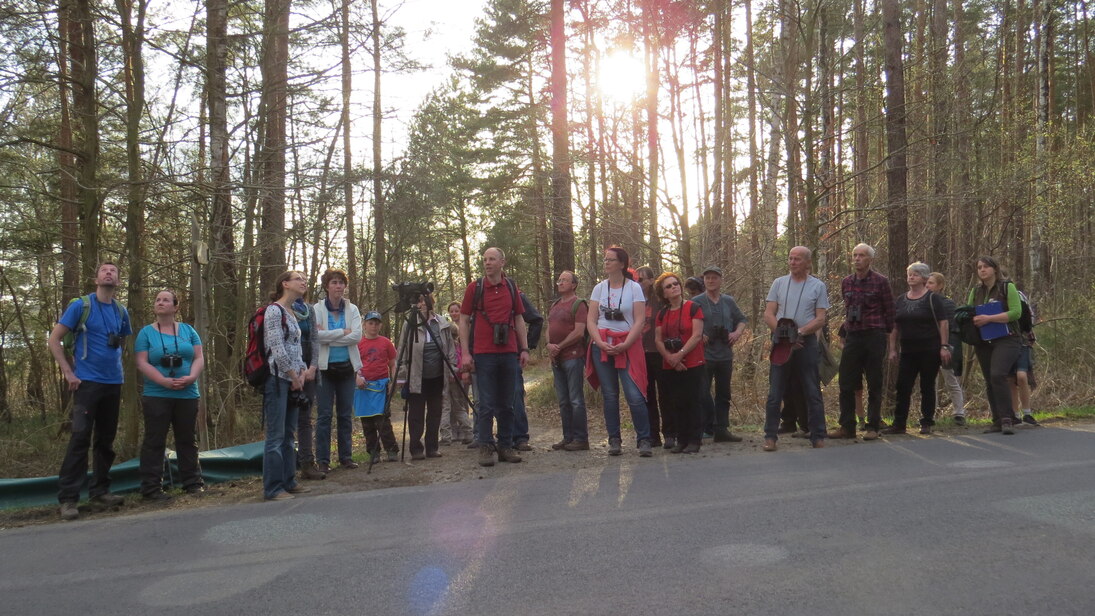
(338, 330)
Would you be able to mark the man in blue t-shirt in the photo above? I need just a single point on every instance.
(94, 375)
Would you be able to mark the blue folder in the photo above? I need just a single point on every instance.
(992, 331)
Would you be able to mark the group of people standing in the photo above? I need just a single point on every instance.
(640, 334)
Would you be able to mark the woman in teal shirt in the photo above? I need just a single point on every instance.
(997, 356)
(169, 355)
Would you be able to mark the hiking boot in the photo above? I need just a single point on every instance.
(723, 435)
(576, 446)
(347, 464)
(312, 472)
(692, 448)
(614, 446)
(159, 496)
(508, 455)
(769, 444)
(1005, 427)
(108, 500)
(670, 443)
(560, 445)
(486, 455)
(522, 446)
(839, 432)
(645, 448)
(69, 512)
(959, 420)
(870, 435)
(299, 489)
(1030, 420)
(393, 456)
(894, 430)
(280, 496)
(925, 429)
(324, 467)
(993, 429)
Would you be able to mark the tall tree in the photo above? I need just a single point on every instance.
(562, 230)
(897, 207)
(271, 156)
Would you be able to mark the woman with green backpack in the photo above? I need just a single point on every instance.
(997, 303)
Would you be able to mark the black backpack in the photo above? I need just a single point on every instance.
(534, 320)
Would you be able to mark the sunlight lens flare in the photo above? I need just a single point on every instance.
(623, 77)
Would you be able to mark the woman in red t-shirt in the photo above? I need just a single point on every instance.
(678, 334)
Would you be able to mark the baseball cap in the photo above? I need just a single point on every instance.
(711, 269)
(373, 315)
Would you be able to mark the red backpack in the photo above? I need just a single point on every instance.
(256, 364)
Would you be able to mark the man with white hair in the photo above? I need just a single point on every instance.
(868, 321)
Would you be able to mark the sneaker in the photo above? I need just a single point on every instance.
(1030, 420)
(299, 489)
(508, 455)
(670, 443)
(769, 444)
(692, 448)
(280, 496)
(522, 446)
(959, 420)
(108, 500)
(645, 448)
(393, 456)
(348, 464)
(324, 467)
(69, 512)
(159, 496)
(724, 436)
(894, 430)
(1005, 427)
(925, 429)
(577, 446)
(560, 445)
(870, 435)
(312, 472)
(486, 455)
(614, 447)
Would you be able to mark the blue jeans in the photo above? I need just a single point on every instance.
(520, 413)
(570, 390)
(804, 362)
(611, 377)
(337, 389)
(716, 412)
(497, 378)
(279, 460)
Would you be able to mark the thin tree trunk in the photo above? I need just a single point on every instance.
(379, 214)
(271, 158)
(562, 230)
(68, 187)
(652, 47)
(897, 216)
(358, 295)
(1039, 255)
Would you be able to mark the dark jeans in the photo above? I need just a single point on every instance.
(864, 353)
(570, 390)
(794, 404)
(279, 458)
(424, 413)
(997, 359)
(496, 378)
(335, 390)
(655, 399)
(923, 364)
(181, 416)
(684, 401)
(804, 363)
(305, 435)
(378, 429)
(94, 425)
(716, 411)
(520, 413)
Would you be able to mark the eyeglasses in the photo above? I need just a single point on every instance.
(670, 285)
(299, 278)
(610, 259)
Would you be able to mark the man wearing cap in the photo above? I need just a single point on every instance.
(723, 324)
(802, 300)
(868, 319)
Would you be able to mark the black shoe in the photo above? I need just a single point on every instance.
(1030, 420)
(1005, 427)
(670, 443)
(959, 420)
(925, 429)
(893, 430)
(993, 428)
(724, 436)
(159, 496)
(108, 500)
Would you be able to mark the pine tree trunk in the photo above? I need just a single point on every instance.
(897, 216)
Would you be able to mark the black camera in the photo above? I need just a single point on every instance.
(673, 344)
(114, 340)
(719, 334)
(299, 398)
(171, 360)
(614, 314)
(501, 334)
(409, 292)
(786, 331)
(854, 314)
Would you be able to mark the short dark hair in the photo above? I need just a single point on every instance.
(331, 274)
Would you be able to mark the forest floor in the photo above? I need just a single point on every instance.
(459, 463)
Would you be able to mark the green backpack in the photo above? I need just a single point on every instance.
(69, 341)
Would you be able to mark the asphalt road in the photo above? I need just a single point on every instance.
(978, 524)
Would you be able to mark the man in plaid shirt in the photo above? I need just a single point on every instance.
(868, 320)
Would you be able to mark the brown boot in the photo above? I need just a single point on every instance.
(508, 455)
(486, 455)
(311, 471)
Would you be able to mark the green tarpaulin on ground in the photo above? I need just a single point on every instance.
(217, 466)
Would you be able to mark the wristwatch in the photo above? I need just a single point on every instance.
(948, 347)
